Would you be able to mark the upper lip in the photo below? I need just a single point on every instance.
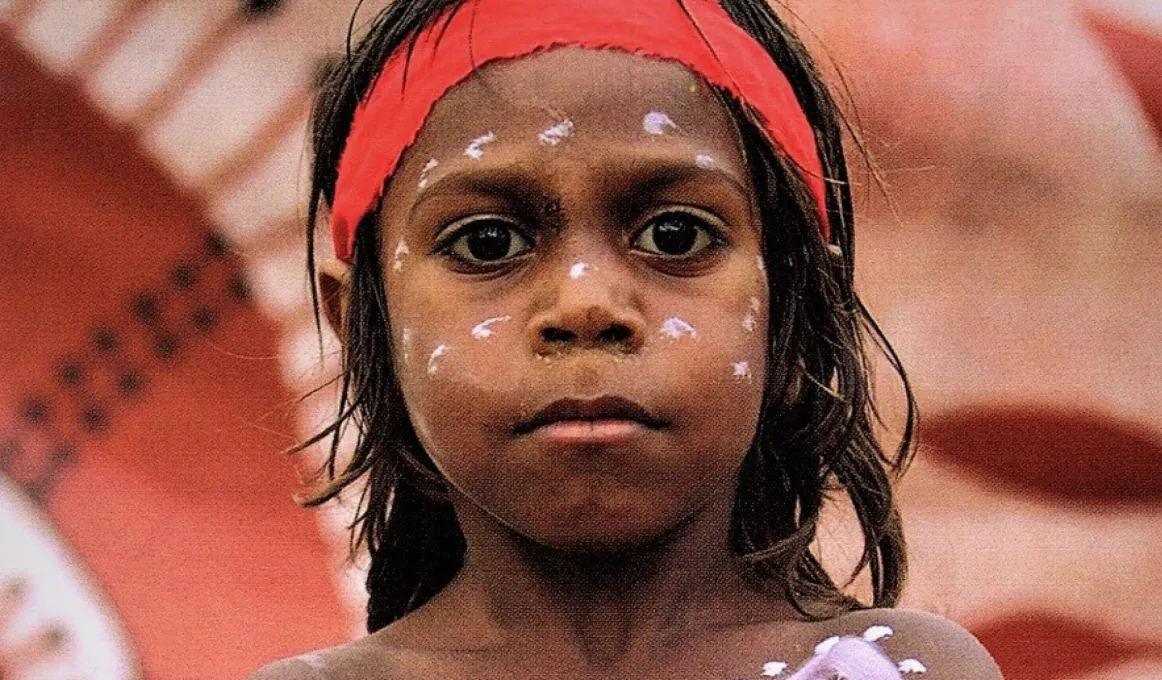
(590, 409)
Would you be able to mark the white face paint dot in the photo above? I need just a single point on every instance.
(474, 149)
(910, 666)
(676, 328)
(656, 123)
(554, 134)
(749, 323)
(704, 161)
(876, 633)
(773, 668)
(578, 270)
(758, 260)
(436, 354)
(826, 645)
(742, 369)
(482, 329)
(401, 249)
(429, 167)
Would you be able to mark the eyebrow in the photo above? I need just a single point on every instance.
(647, 175)
(500, 182)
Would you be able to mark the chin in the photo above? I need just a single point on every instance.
(604, 533)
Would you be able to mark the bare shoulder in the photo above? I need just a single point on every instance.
(924, 645)
(361, 659)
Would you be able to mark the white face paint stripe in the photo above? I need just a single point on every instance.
(429, 167)
(657, 122)
(704, 161)
(474, 149)
(758, 260)
(910, 666)
(578, 270)
(773, 668)
(826, 645)
(401, 249)
(749, 323)
(440, 351)
(876, 633)
(742, 370)
(482, 329)
(407, 344)
(755, 305)
(554, 134)
(676, 328)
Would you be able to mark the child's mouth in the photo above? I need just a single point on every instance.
(592, 431)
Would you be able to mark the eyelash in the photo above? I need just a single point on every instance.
(703, 219)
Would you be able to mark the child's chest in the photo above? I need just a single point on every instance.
(714, 657)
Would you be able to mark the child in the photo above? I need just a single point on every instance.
(602, 351)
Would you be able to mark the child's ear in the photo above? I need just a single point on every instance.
(334, 278)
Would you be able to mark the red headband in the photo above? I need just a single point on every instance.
(705, 40)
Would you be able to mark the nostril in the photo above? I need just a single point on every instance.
(556, 335)
(617, 333)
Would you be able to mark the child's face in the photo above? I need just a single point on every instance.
(569, 226)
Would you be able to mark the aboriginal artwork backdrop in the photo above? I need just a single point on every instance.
(156, 334)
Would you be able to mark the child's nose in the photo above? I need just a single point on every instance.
(588, 314)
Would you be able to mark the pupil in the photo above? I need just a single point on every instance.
(675, 235)
(490, 242)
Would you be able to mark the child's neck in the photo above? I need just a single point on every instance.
(610, 606)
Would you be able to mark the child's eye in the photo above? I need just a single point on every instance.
(484, 239)
(677, 234)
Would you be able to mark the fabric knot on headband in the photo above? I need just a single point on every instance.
(695, 33)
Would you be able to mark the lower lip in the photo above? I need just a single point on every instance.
(602, 431)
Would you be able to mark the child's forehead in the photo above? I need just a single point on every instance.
(604, 91)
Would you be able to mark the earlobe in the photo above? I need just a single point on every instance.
(334, 281)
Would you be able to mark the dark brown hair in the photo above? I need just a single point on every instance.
(815, 438)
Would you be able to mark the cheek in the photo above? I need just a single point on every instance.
(452, 368)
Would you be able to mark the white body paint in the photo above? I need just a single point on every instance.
(909, 666)
(773, 668)
(704, 161)
(742, 369)
(430, 166)
(578, 270)
(656, 123)
(401, 249)
(407, 345)
(749, 323)
(675, 328)
(552, 135)
(440, 351)
(876, 633)
(474, 149)
(482, 329)
(826, 645)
